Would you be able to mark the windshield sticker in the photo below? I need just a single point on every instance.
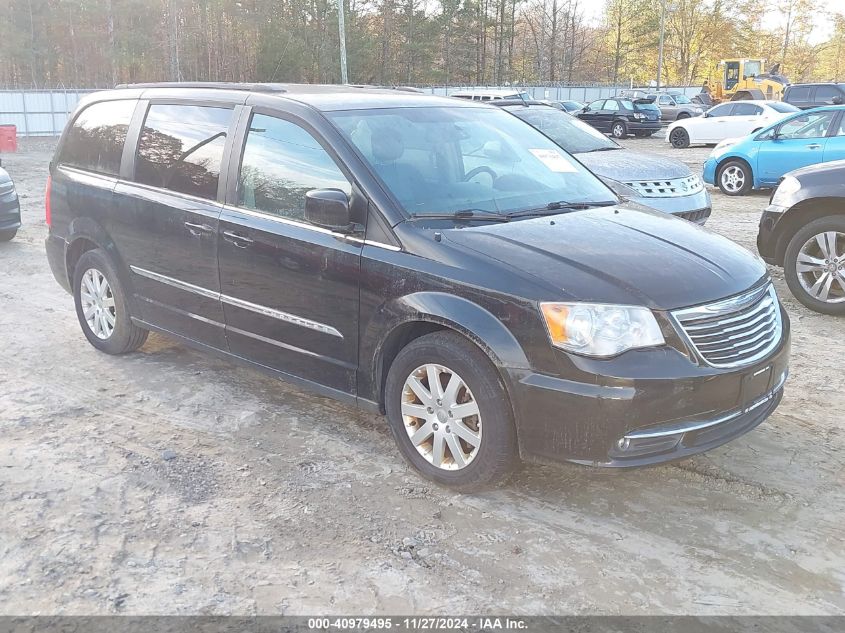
(554, 160)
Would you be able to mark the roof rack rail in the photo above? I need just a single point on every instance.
(218, 85)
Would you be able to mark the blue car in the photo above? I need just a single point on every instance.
(759, 160)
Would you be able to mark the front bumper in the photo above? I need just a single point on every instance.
(695, 208)
(665, 405)
(767, 238)
(10, 210)
(709, 173)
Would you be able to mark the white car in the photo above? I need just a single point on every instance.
(727, 120)
(490, 94)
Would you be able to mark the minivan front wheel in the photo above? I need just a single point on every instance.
(449, 412)
(619, 130)
(735, 178)
(814, 265)
(101, 305)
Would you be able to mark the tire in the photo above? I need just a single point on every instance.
(809, 285)
(681, 116)
(451, 357)
(679, 138)
(619, 129)
(734, 178)
(113, 332)
(8, 235)
(642, 134)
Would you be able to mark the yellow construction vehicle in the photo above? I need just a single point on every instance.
(737, 75)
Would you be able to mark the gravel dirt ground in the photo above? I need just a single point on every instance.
(169, 482)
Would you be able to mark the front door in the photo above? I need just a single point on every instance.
(168, 217)
(800, 141)
(591, 113)
(834, 149)
(289, 288)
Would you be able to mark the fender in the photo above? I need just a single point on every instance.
(451, 311)
(89, 229)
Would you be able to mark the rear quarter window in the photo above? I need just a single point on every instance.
(95, 140)
(181, 148)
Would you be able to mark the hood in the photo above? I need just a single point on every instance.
(619, 255)
(625, 166)
(835, 169)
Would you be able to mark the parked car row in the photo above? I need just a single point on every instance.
(436, 260)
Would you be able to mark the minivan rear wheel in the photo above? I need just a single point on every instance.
(814, 265)
(101, 305)
(449, 412)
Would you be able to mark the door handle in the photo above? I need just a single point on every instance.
(198, 229)
(813, 146)
(241, 241)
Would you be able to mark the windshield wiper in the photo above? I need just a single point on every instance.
(478, 215)
(561, 205)
(601, 149)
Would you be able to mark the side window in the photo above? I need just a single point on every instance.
(799, 93)
(611, 106)
(812, 125)
(95, 141)
(722, 110)
(596, 105)
(627, 105)
(181, 148)
(281, 163)
(826, 94)
(747, 109)
(666, 100)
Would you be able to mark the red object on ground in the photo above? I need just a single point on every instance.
(8, 138)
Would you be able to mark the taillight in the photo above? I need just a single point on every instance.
(48, 216)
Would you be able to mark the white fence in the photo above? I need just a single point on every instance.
(44, 112)
(38, 112)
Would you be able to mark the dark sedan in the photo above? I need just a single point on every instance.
(10, 210)
(621, 117)
(803, 230)
(648, 179)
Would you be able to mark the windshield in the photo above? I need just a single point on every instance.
(570, 133)
(681, 99)
(779, 106)
(446, 159)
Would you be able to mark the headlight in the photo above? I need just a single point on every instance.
(600, 330)
(725, 144)
(786, 188)
(620, 189)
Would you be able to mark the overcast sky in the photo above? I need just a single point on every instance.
(593, 9)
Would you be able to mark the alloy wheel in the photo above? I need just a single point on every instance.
(821, 267)
(441, 417)
(733, 178)
(618, 130)
(679, 138)
(98, 307)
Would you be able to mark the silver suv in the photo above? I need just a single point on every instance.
(674, 107)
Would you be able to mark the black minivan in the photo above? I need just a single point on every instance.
(436, 260)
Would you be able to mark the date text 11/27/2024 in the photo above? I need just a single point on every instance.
(419, 624)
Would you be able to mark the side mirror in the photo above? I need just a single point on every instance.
(328, 208)
(837, 100)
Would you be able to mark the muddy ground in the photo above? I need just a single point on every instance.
(170, 482)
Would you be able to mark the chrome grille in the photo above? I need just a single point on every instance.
(673, 188)
(736, 331)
